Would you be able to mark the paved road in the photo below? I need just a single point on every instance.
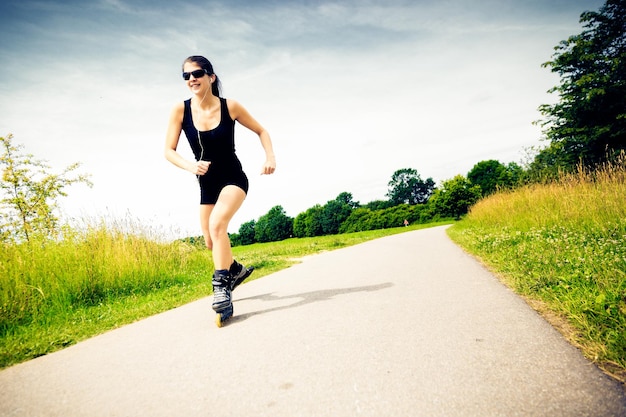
(407, 325)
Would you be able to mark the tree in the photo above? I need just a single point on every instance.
(455, 197)
(309, 223)
(356, 222)
(299, 226)
(379, 204)
(348, 199)
(588, 124)
(406, 187)
(273, 226)
(336, 212)
(492, 175)
(29, 193)
(515, 174)
(486, 175)
(246, 233)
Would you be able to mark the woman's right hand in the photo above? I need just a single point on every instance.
(200, 167)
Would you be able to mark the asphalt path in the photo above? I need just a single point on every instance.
(407, 325)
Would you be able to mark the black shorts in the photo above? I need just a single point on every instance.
(213, 182)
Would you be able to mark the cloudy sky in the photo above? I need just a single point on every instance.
(350, 92)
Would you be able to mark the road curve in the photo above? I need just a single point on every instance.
(407, 325)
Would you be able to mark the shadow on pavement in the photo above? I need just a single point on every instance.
(303, 299)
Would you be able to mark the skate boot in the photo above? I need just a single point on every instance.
(222, 303)
(239, 274)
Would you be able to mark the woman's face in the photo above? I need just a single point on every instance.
(197, 83)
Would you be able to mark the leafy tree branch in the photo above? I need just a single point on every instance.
(29, 193)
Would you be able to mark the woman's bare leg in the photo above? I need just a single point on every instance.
(229, 201)
(205, 215)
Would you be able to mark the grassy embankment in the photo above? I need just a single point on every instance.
(563, 247)
(54, 294)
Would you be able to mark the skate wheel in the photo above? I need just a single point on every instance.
(222, 316)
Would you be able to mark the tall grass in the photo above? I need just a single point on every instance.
(98, 277)
(63, 284)
(85, 268)
(563, 246)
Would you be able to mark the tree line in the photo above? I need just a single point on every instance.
(410, 200)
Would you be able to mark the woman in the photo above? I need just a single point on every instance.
(208, 121)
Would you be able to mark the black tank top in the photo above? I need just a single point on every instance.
(216, 145)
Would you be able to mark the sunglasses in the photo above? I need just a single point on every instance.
(196, 74)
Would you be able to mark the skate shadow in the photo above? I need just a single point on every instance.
(304, 298)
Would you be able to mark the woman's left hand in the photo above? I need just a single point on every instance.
(269, 167)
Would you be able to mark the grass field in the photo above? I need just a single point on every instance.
(54, 294)
(563, 247)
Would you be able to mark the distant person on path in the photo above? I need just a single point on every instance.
(208, 121)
